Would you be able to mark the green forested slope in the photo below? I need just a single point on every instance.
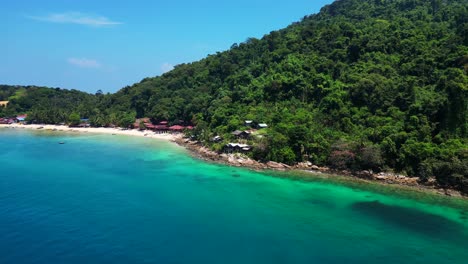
(364, 84)
(46, 105)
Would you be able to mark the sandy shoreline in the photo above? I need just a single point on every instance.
(100, 130)
(203, 153)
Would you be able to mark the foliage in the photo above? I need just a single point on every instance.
(388, 78)
(74, 119)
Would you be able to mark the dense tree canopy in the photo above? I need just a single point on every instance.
(46, 105)
(375, 84)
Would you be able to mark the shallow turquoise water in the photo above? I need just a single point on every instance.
(112, 199)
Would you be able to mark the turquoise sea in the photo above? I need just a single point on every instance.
(116, 199)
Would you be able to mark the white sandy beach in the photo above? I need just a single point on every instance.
(101, 130)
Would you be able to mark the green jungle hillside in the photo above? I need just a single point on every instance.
(362, 85)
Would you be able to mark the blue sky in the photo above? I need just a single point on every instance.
(90, 44)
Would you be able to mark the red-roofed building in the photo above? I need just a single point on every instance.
(149, 126)
(146, 121)
(176, 128)
(161, 127)
(21, 118)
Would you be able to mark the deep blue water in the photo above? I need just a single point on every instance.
(115, 199)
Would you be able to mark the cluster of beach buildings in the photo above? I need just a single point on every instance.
(161, 127)
(242, 136)
(13, 120)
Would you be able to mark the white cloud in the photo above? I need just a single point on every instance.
(77, 18)
(84, 63)
(166, 67)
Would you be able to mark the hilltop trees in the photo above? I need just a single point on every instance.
(389, 78)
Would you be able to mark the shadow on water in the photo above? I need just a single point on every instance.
(319, 203)
(414, 220)
(463, 216)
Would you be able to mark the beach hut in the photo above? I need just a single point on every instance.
(241, 134)
(144, 120)
(84, 122)
(237, 133)
(21, 118)
(150, 126)
(236, 147)
(161, 129)
(262, 125)
(217, 139)
(176, 128)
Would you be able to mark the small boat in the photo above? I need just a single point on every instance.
(61, 142)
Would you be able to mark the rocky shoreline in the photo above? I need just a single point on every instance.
(240, 160)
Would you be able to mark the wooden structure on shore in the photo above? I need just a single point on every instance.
(241, 134)
(236, 147)
(161, 127)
